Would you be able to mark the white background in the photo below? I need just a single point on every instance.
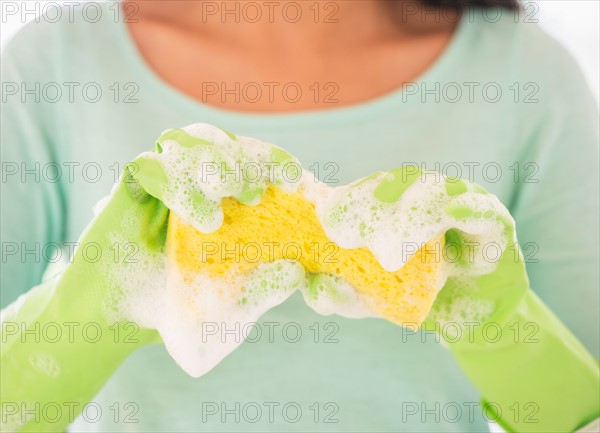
(575, 23)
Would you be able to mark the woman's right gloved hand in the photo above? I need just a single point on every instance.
(63, 339)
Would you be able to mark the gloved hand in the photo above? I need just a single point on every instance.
(532, 372)
(62, 340)
(534, 375)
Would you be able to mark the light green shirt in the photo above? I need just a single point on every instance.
(534, 145)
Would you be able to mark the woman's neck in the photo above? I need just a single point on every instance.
(341, 51)
(292, 25)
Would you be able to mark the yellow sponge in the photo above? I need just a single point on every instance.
(286, 226)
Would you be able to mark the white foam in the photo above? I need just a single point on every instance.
(45, 363)
(330, 294)
(202, 175)
(353, 217)
(187, 309)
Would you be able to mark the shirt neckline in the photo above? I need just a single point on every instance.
(393, 100)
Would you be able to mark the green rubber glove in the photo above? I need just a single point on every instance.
(62, 340)
(533, 374)
(59, 342)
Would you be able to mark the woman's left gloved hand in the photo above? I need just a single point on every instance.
(533, 373)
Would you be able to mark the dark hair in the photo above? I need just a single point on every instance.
(463, 4)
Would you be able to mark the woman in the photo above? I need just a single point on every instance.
(350, 87)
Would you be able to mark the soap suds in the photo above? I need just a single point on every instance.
(202, 318)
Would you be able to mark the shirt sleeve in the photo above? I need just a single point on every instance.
(557, 202)
(32, 198)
